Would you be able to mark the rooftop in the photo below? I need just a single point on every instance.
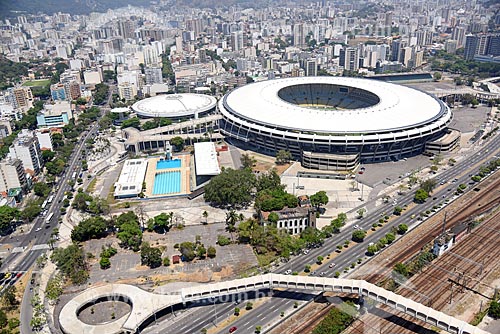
(399, 107)
(205, 158)
(174, 105)
(131, 177)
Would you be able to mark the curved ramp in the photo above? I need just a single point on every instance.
(145, 304)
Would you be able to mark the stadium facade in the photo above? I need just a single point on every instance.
(335, 123)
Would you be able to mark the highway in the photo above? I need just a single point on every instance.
(262, 315)
(24, 260)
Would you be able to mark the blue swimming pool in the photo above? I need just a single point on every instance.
(166, 164)
(167, 183)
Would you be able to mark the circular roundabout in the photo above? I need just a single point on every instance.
(333, 122)
(175, 106)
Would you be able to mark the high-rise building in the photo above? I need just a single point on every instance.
(12, 175)
(26, 148)
(349, 59)
(458, 34)
(127, 91)
(126, 28)
(311, 68)
(396, 47)
(153, 75)
(450, 46)
(237, 40)
(471, 47)
(299, 35)
(493, 48)
(20, 97)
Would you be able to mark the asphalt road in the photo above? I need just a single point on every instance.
(41, 237)
(260, 316)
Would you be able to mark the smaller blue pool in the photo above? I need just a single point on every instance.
(166, 164)
(167, 183)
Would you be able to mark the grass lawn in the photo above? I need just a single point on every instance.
(37, 83)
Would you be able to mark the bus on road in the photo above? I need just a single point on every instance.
(51, 198)
(44, 204)
(49, 217)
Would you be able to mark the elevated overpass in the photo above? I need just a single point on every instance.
(155, 139)
(145, 305)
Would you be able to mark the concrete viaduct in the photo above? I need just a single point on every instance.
(145, 305)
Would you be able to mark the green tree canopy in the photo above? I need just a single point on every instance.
(90, 228)
(421, 196)
(150, 256)
(283, 157)
(318, 199)
(231, 188)
(72, 263)
(358, 235)
(7, 215)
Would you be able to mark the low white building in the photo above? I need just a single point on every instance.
(131, 178)
(205, 159)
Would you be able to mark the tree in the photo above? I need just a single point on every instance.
(166, 261)
(130, 233)
(187, 250)
(358, 235)
(7, 215)
(372, 249)
(222, 240)
(201, 252)
(150, 256)
(91, 228)
(398, 210)
(307, 268)
(421, 196)
(428, 185)
(133, 122)
(232, 218)
(318, 199)
(494, 310)
(231, 188)
(319, 259)
(72, 263)
(211, 252)
(236, 311)
(205, 216)
(178, 143)
(283, 157)
(401, 268)
(247, 161)
(437, 76)
(361, 212)
(402, 228)
(161, 223)
(9, 296)
(390, 237)
(273, 217)
(31, 211)
(41, 189)
(248, 306)
(269, 181)
(104, 263)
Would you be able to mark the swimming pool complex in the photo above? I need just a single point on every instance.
(168, 182)
(167, 164)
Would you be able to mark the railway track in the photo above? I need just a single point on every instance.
(444, 282)
(463, 210)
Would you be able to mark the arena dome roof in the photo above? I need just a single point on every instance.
(174, 105)
(381, 106)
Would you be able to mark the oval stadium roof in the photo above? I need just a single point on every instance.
(174, 105)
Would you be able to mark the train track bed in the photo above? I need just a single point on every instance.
(459, 282)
